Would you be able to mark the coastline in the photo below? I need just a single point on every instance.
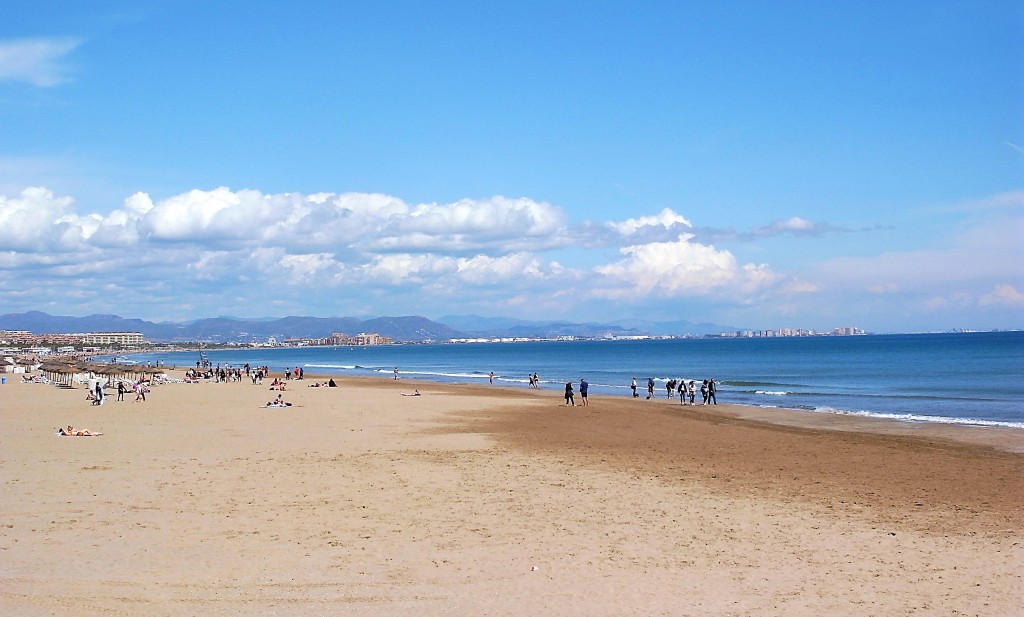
(907, 378)
(498, 500)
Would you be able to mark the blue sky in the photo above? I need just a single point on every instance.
(754, 164)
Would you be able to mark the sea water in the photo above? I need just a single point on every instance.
(959, 378)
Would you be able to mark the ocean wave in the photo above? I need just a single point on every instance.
(439, 374)
(911, 417)
(347, 367)
(772, 392)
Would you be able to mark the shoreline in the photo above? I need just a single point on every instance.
(1005, 436)
(825, 389)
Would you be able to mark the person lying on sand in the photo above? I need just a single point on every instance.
(413, 393)
(71, 431)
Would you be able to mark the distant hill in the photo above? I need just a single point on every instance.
(495, 327)
(400, 329)
(679, 327)
(226, 330)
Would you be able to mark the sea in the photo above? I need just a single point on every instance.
(970, 378)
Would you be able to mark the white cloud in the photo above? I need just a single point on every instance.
(1003, 295)
(351, 253)
(37, 61)
(683, 268)
(667, 219)
(795, 226)
(360, 221)
(483, 270)
(402, 268)
(301, 269)
(37, 221)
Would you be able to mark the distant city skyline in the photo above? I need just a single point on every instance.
(748, 164)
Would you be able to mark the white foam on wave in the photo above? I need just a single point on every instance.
(335, 366)
(439, 374)
(910, 417)
(772, 392)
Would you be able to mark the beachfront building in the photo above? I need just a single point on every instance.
(125, 339)
(363, 338)
(25, 338)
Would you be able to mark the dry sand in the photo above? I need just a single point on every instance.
(490, 501)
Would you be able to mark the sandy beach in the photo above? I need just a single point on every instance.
(473, 500)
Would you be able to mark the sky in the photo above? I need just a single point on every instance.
(752, 164)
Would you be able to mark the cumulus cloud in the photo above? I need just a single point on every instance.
(41, 62)
(38, 221)
(198, 248)
(683, 268)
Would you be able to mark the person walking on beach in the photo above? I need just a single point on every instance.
(569, 400)
(583, 391)
(633, 386)
(120, 391)
(670, 387)
(682, 392)
(650, 388)
(490, 377)
(693, 392)
(712, 389)
(536, 381)
(396, 373)
(704, 392)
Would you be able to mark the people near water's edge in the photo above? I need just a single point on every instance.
(569, 400)
(490, 378)
(396, 373)
(692, 391)
(583, 391)
(704, 392)
(650, 388)
(712, 390)
(633, 386)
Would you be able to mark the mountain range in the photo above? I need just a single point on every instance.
(399, 329)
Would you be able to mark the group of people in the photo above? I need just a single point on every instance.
(330, 383)
(570, 399)
(685, 390)
(97, 395)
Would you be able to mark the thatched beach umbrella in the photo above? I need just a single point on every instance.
(59, 372)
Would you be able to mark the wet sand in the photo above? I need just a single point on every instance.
(477, 500)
